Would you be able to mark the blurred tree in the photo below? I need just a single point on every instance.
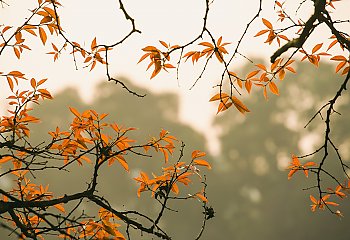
(250, 172)
(255, 156)
(99, 146)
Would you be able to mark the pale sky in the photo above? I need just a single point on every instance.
(171, 21)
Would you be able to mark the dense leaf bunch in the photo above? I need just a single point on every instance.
(29, 209)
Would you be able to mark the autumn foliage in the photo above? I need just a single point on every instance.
(32, 211)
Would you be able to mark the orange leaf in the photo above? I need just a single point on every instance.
(261, 32)
(252, 74)
(143, 57)
(155, 72)
(16, 74)
(265, 93)
(175, 188)
(332, 203)
(197, 154)
(202, 162)
(219, 56)
(207, 44)
(223, 106)
(291, 173)
(201, 197)
(267, 23)
(164, 43)
(313, 199)
(60, 207)
(291, 69)
(273, 88)
(5, 159)
(332, 44)
(317, 47)
(150, 49)
(239, 105)
(340, 66)
(17, 53)
(74, 111)
(5, 29)
(46, 19)
(33, 83)
(93, 44)
(9, 80)
(45, 93)
(123, 163)
(248, 85)
(42, 34)
(42, 81)
(261, 66)
(219, 41)
(345, 71)
(218, 96)
(339, 58)
(281, 74)
(168, 65)
(239, 82)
